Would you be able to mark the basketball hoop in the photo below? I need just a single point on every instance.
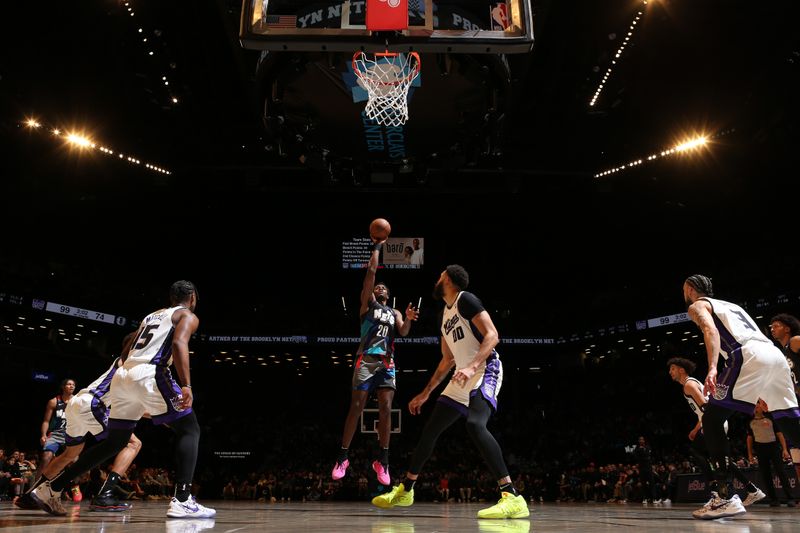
(387, 77)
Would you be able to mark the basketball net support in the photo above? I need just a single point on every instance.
(387, 15)
(387, 76)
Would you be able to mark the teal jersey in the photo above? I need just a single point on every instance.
(377, 331)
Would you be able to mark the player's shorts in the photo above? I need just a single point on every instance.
(55, 441)
(486, 382)
(86, 414)
(140, 389)
(757, 370)
(374, 372)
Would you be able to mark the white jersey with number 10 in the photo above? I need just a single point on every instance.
(460, 334)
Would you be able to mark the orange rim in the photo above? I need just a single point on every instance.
(413, 74)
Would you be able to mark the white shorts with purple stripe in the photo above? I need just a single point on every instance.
(757, 370)
(141, 389)
(85, 414)
(486, 382)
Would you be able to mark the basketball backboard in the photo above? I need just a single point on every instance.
(458, 26)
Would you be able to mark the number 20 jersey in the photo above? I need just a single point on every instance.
(377, 331)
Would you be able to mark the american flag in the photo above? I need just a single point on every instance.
(282, 21)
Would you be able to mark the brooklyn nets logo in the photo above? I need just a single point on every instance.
(392, 3)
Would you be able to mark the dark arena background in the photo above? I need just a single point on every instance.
(580, 163)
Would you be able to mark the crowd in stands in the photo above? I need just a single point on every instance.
(572, 445)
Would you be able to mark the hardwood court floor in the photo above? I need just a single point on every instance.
(420, 518)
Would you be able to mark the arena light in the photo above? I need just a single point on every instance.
(694, 143)
(84, 143)
(618, 54)
(79, 140)
(682, 148)
(140, 32)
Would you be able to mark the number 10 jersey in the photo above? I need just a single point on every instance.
(464, 341)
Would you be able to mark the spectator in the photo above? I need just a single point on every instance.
(767, 445)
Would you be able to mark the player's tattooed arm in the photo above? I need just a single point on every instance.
(700, 313)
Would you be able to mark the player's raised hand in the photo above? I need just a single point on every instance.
(411, 312)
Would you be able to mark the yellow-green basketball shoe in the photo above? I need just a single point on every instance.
(509, 506)
(398, 496)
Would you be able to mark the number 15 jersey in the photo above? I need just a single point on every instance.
(153, 345)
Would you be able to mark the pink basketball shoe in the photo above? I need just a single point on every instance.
(383, 473)
(340, 469)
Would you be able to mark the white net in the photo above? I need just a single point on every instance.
(387, 79)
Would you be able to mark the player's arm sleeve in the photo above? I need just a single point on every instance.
(469, 305)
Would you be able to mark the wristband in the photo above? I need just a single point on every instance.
(188, 386)
(377, 247)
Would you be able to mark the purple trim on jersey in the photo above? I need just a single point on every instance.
(74, 441)
(792, 412)
(488, 388)
(100, 413)
(475, 331)
(105, 385)
(169, 390)
(730, 373)
(118, 423)
(169, 417)
(164, 354)
(462, 409)
(728, 341)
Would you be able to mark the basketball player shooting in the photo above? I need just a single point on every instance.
(374, 369)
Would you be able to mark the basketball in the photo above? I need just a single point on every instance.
(380, 229)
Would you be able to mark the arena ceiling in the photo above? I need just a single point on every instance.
(260, 229)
